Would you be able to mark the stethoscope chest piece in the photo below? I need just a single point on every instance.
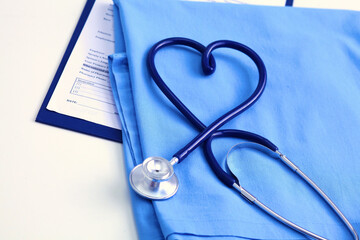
(154, 179)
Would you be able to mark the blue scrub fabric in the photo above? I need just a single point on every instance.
(309, 109)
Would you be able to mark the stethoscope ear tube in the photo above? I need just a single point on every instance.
(252, 199)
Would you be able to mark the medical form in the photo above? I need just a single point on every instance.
(83, 90)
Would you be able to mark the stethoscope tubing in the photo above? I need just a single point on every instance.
(208, 69)
(209, 66)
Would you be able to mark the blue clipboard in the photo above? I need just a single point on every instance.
(65, 121)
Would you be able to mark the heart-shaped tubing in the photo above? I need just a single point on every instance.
(209, 66)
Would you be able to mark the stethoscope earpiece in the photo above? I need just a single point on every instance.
(154, 179)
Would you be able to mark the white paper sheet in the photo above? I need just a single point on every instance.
(83, 90)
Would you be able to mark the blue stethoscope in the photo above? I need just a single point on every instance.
(155, 178)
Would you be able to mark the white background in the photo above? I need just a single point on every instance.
(54, 183)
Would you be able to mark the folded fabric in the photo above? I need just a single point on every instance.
(309, 109)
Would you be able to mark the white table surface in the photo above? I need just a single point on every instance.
(54, 183)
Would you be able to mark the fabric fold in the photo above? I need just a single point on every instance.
(309, 110)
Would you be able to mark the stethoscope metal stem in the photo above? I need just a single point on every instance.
(174, 161)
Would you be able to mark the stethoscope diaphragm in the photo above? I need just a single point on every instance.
(154, 179)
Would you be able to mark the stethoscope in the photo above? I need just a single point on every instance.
(155, 178)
